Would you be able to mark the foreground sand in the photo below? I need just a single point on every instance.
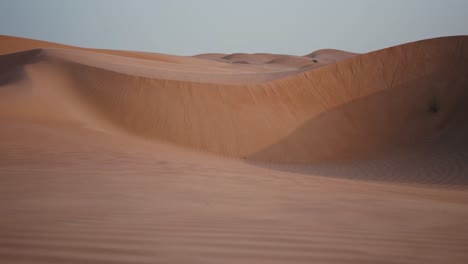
(334, 157)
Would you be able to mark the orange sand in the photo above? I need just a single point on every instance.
(132, 157)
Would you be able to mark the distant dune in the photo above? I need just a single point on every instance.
(111, 156)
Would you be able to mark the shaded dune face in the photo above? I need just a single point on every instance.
(356, 107)
(11, 65)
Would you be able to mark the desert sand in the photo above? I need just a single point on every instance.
(333, 157)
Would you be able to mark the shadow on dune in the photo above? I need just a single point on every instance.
(443, 162)
(415, 133)
(11, 65)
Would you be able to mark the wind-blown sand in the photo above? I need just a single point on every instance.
(334, 157)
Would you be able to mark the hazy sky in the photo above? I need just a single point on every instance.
(199, 26)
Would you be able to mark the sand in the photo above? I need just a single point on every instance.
(333, 157)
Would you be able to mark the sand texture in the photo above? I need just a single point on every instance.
(113, 156)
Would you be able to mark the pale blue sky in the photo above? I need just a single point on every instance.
(199, 26)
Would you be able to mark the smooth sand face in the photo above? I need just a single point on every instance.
(334, 157)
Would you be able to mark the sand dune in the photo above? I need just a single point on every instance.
(133, 157)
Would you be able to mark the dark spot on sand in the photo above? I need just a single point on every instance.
(434, 107)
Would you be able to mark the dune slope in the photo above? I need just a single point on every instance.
(358, 106)
(131, 157)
